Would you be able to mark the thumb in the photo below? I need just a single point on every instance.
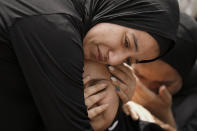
(165, 95)
(125, 108)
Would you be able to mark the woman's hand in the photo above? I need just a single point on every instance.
(92, 97)
(124, 81)
(163, 125)
(137, 111)
(157, 104)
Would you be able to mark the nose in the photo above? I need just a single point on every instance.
(117, 57)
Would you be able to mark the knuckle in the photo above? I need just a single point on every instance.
(125, 89)
(92, 90)
(91, 114)
(97, 86)
(92, 101)
(96, 111)
(87, 104)
(87, 93)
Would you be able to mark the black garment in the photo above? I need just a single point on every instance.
(184, 103)
(182, 58)
(185, 111)
(184, 54)
(123, 122)
(41, 63)
(41, 55)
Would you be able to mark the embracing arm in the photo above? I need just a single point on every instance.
(50, 54)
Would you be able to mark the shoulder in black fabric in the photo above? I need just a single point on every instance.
(184, 54)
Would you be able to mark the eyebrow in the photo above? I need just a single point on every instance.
(135, 42)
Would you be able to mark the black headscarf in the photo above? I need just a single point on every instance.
(184, 54)
(158, 17)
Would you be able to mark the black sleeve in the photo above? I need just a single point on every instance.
(185, 111)
(49, 50)
(147, 126)
(191, 125)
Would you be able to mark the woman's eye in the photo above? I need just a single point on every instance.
(126, 42)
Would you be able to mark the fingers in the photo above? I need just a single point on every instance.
(94, 89)
(123, 97)
(119, 74)
(86, 79)
(132, 113)
(119, 84)
(125, 109)
(144, 114)
(90, 101)
(165, 95)
(122, 90)
(127, 70)
(97, 110)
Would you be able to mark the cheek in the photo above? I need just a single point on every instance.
(118, 56)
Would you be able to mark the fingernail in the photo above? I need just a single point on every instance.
(163, 87)
(113, 79)
(111, 68)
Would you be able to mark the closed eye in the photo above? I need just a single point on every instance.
(127, 44)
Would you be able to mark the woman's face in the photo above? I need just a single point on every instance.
(99, 74)
(114, 44)
(158, 73)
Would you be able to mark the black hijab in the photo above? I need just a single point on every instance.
(184, 54)
(158, 17)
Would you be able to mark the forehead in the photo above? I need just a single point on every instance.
(156, 71)
(96, 70)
